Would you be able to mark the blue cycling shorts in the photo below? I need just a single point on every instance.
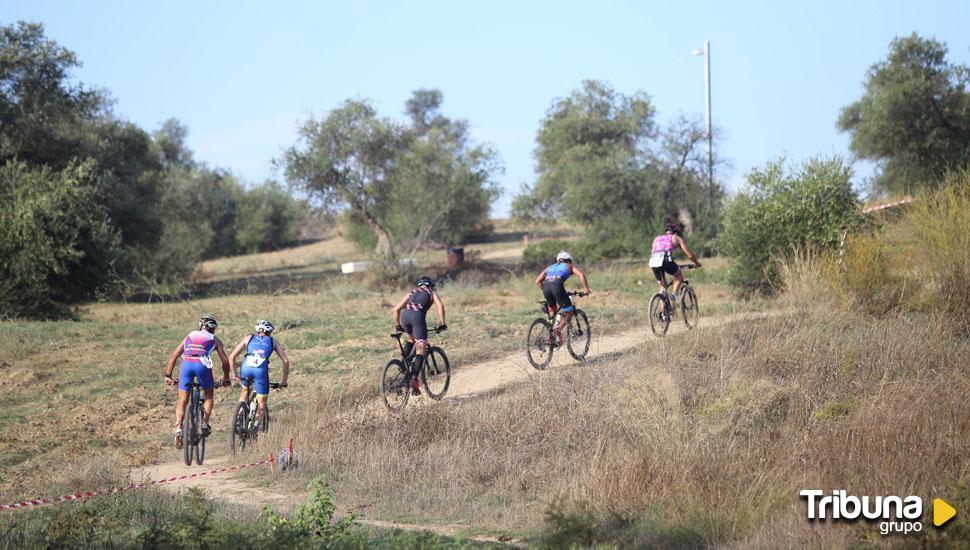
(260, 378)
(193, 369)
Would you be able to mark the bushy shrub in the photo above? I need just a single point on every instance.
(781, 210)
(158, 520)
(56, 240)
(936, 238)
(871, 273)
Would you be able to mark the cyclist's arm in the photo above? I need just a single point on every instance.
(225, 360)
(235, 353)
(690, 255)
(582, 279)
(281, 351)
(174, 357)
(397, 310)
(441, 308)
(540, 278)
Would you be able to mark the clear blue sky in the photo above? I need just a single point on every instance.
(241, 75)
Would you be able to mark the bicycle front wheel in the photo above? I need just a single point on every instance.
(659, 315)
(436, 374)
(395, 389)
(688, 303)
(237, 432)
(538, 343)
(577, 335)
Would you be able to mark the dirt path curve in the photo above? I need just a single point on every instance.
(468, 381)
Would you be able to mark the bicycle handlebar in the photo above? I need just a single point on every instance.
(272, 385)
(400, 334)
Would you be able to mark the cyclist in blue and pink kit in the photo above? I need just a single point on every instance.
(196, 363)
(259, 346)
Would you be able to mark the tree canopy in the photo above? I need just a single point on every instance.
(94, 203)
(914, 116)
(604, 162)
(407, 184)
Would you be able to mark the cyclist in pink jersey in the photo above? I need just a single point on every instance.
(196, 364)
(661, 257)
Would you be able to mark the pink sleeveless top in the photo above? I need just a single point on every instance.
(663, 243)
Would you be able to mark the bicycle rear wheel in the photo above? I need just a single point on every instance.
(436, 374)
(200, 450)
(237, 432)
(394, 387)
(538, 347)
(577, 335)
(659, 315)
(188, 430)
(688, 303)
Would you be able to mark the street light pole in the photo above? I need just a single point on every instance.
(706, 52)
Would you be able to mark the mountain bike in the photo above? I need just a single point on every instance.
(660, 317)
(244, 428)
(395, 382)
(193, 440)
(540, 340)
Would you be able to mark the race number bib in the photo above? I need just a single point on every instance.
(206, 360)
(254, 361)
(657, 259)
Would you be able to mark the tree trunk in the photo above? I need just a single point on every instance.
(383, 248)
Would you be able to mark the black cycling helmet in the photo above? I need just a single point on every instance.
(426, 281)
(208, 321)
(672, 228)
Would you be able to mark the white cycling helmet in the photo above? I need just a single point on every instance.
(265, 326)
(564, 256)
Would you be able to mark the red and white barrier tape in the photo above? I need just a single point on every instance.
(87, 494)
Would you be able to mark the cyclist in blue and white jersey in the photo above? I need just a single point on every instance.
(259, 346)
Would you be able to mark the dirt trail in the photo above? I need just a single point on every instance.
(467, 382)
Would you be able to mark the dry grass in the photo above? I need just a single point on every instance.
(705, 438)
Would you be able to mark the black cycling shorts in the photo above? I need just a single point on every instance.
(669, 267)
(414, 323)
(555, 293)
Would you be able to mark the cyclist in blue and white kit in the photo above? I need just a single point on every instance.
(196, 363)
(552, 280)
(259, 346)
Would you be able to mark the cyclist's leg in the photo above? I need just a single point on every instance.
(261, 409)
(565, 304)
(548, 292)
(678, 278)
(183, 399)
(659, 274)
(187, 371)
(418, 331)
(567, 313)
(261, 383)
(205, 379)
(407, 323)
